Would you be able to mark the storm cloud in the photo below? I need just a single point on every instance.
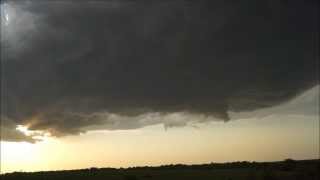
(71, 66)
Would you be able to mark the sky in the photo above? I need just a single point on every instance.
(118, 83)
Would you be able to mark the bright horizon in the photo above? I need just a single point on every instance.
(79, 152)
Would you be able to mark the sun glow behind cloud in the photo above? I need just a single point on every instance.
(37, 135)
(7, 12)
(6, 16)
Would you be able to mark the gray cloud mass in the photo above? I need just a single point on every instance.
(71, 66)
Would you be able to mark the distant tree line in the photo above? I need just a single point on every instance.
(288, 169)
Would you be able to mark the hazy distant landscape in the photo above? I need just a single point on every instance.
(284, 170)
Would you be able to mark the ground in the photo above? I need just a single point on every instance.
(284, 170)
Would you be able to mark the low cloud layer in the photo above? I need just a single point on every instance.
(71, 66)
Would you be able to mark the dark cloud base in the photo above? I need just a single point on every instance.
(129, 58)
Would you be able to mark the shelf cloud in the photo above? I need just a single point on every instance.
(69, 66)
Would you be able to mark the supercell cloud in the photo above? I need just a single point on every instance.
(71, 66)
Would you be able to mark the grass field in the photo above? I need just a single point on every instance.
(284, 170)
